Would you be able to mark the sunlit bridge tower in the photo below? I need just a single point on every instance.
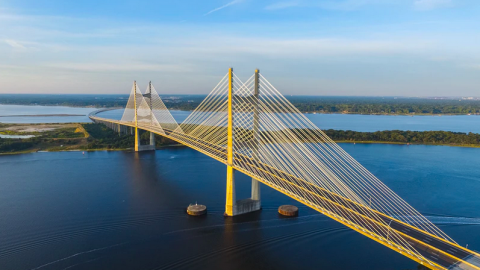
(237, 107)
(138, 112)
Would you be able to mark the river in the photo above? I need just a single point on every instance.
(126, 210)
(38, 114)
(456, 123)
(368, 123)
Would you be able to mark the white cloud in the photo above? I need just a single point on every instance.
(113, 67)
(281, 5)
(431, 4)
(279, 48)
(234, 2)
(15, 44)
(95, 52)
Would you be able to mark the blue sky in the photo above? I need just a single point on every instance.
(323, 47)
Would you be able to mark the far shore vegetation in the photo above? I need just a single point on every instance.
(306, 104)
(407, 137)
(90, 136)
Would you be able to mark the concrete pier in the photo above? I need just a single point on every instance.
(288, 210)
(152, 138)
(139, 147)
(196, 210)
(246, 206)
(236, 207)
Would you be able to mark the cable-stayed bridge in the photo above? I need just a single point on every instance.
(253, 129)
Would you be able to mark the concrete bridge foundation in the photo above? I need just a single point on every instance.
(139, 147)
(234, 207)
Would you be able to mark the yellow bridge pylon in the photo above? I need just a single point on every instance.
(232, 206)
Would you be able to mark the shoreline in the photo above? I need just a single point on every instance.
(408, 144)
(181, 145)
(399, 114)
(30, 151)
(77, 137)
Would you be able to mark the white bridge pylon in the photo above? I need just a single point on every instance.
(150, 111)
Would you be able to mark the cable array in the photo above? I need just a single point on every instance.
(158, 110)
(151, 111)
(287, 151)
(276, 144)
(134, 101)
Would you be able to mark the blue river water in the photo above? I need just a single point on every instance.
(457, 123)
(36, 114)
(369, 123)
(126, 210)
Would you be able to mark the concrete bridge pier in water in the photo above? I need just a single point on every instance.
(234, 207)
(147, 147)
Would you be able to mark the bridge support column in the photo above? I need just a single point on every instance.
(137, 140)
(230, 205)
(256, 123)
(256, 190)
(152, 139)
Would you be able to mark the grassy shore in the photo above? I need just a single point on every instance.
(67, 137)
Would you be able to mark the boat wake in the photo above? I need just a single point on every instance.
(442, 220)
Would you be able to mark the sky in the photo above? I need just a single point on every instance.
(303, 47)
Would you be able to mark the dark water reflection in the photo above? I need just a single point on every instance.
(124, 210)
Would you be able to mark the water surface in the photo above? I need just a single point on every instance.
(16, 136)
(30, 114)
(126, 210)
(368, 123)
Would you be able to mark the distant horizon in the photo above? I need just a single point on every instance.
(167, 94)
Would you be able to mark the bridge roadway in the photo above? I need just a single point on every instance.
(442, 254)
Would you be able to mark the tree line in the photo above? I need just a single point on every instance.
(102, 137)
(413, 137)
(310, 104)
(385, 105)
